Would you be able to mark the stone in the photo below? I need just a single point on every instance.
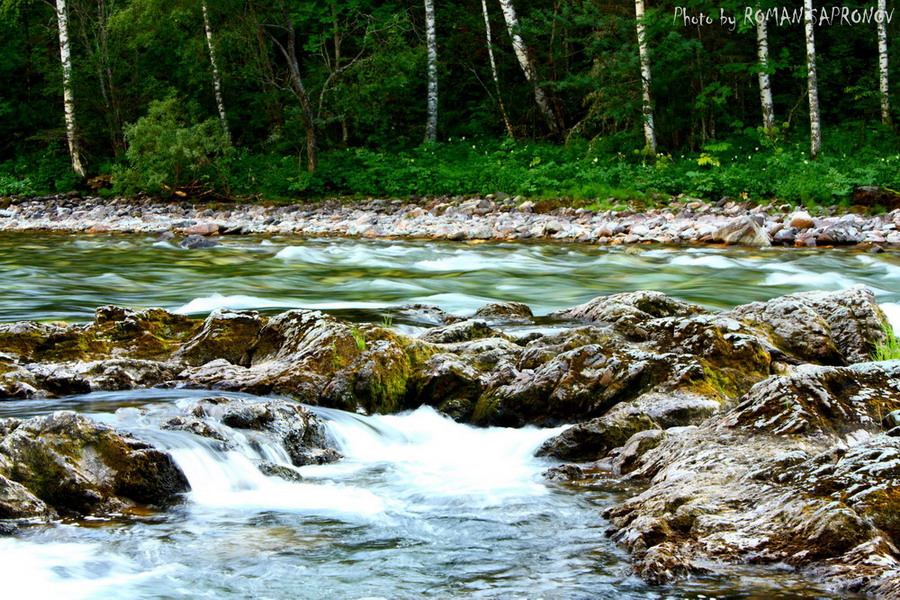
(195, 242)
(744, 231)
(870, 196)
(800, 220)
(504, 312)
(78, 467)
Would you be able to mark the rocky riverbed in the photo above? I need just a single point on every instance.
(761, 434)
(494, 217)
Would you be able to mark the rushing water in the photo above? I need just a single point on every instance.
(421, 507)
(57, 277)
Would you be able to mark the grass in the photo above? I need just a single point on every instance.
(890, 349)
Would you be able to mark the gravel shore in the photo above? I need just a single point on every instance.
(501, 218)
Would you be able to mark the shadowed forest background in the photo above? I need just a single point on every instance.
(300, 99)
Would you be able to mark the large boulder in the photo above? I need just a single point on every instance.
(742, 230)
(832, 328)
(75, 466)
(809, 484)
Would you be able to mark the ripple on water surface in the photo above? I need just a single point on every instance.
(65, 277)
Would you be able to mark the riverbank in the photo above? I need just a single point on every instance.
(493, 217)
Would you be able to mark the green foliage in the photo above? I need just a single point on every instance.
(890, 349)
(359, 338)
(166, 153)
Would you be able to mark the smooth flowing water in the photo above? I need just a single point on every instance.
(421, 506)
(60, 277)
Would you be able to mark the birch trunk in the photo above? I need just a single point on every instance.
(883, 65)
(217, 80)
(431, 42)
(647, 105)
(512, 25)
(815, 132)
(490, 48)
(765, 89)
(65, 58)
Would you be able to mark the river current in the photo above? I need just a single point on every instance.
(421, 507)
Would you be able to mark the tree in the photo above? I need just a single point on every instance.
(765, 88)
(288, 49)
(815, 131)
(65, 59)
(431, 43)
(217, 79)
(493, 61)
(528, 68)
(647, 104)
(883, 64)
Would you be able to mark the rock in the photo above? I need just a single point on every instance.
(563, 473)
(781, 478)
(628, 311)
(225, 334)
(504, 312)
(426, 314)
(202, 229)
(800, 220)
(194, 242)
(271, 469)
(592, 440)
(823, 327)
(295, 428)
(459, 332)
(870, 196)
(78, 467)
(805, 402)
(743, 230)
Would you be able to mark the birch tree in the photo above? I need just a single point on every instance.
(527, 64)
(647, 98)
(217, 79)
(496, 77)
(431, 43)
(65, 59)
(883, 64)
(815, 132)
(765, 89)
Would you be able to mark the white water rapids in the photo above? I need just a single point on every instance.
(420, 507)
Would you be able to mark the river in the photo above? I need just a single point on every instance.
(421, 507)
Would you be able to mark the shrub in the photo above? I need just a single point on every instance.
(167, 153)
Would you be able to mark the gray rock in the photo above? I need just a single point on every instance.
(195, 242)
(743, 230)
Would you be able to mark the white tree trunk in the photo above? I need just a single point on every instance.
(65, 57)
(512, 25)
(217, 80)
(765, 89)
(647, 105)
(883, 65)
(815, 132)
(431, 42)
(494, 74)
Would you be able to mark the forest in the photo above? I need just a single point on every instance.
(588, 100)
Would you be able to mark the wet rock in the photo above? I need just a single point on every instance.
(459, 332)
(743, 230)
(271, 469)
(628, 311)
(814, 399)
(505, 312)
(196, 242)
(225, 334)
(563, 473)
(823, 327)
(78, 467)
(592, 440)
(426, 314)
(374, 381)
(781, 478)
